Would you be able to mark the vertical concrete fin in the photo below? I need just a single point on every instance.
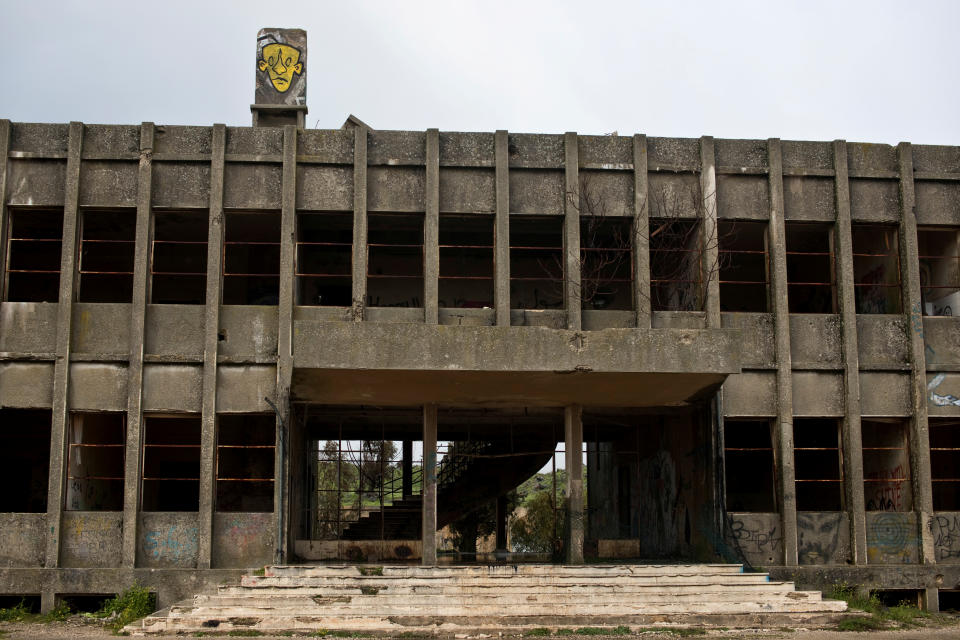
(846, 297)
(429, 500)
(359, 222)
(573, 447)
(710, 235)
(61, 373)
(4, 213)
(501, 233)
(572, 294)
(141, 293)
(431, 230)
(641, 233)
(210, 347)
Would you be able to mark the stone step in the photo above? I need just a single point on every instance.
(494, 581)
(511, 570)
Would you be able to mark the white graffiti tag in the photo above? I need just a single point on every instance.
(937, 399)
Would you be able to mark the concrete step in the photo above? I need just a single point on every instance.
(496, 581)
(510, 570)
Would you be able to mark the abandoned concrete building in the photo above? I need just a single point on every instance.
(747, 344)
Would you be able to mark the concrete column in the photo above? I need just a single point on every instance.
(431, 231)
(573, 445)
(912, 306)
(711, 236)
(288, 225)
(4, 213)
(208, 416)
(359, 222)
(61, 371)
(429, 492)
(141, 292)
(846, 297)
(641, 233)
(502, 523)
(406, 469)
(572, 294)
(781, 327)
(501, 230)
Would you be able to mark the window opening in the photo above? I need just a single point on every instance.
(606, 263)
(945, 463)
(245, 458)
(744, 268)
(325, 259)
(96, 462)
(817, 464)
(251, 258)
(748, 445)
(33, 255)
(178, 259)
(24, 474)
(536, 262)
(676, 275)
(466, 261)
(171, 463)
(811, 277)
(886, 466)
(939, 250)
(107, 246)
(395, 260)
(876, 269)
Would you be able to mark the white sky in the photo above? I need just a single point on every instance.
(873, 71)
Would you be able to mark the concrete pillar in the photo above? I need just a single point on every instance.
(429, 491)
(710, 235)
(208, 411)
(641, 233)
(572, 294)
(573, 445)
(141, 293)
(502, 523)
(912, 306)
(4, 212)
(406, 469)
(501, 230)
(431, 231)
(931, 599)
(852, 451)
(359, 222)
(781, 326)
(61, 371)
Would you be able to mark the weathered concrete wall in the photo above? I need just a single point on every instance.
(26, 384)
(816, 342)
(892, 537)
(884, 393)
(168, 540)
(101, 329)
(172, 387)
(882, 341)
(817, 393)
(756, 537)
(750, 394)
(942, 338)
(358, 550)
(91, 539)
(174, 330)
(248, 333)
(243, 539)
(243, 388)
(97, 386)
(23, 539)
(28, 327)
(945, 527)
(757, 344)
(823, 537)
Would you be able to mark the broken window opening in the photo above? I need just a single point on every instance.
(676, 274)
(536, 262)
(886, 465)
(325, 259)
(107, 246)
(171, 463)
(744, 266)
(748, 445)
(606, 263)
(945, 463)
(811, 275)
(817, 464)
(245, 462)
(251, 258)
(466, 261)
(178, 257)
(876, 269)
(395, 260)
(25, 437)
(939, 249)
(34, 243)
(95, 464)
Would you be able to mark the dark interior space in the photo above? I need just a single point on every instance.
(107, 248)
(466, 261)
(96, 461)
(25, 437)
(395, 260)
(676, 274)
(325, 259)
(748, 446)
(811, 280)
(251, 258)
(886, 465)
(606, 263)
(29, 602)
(945, 463)
(178, 264)
(245, 461)
(744, 269)
(171, 463)
(876, 269)
(33, 255)
(536, 262)
(817, 465)
(939, 253)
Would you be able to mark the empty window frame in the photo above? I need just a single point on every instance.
(395, 260)
(107, 247)
(945, 463)
(886, 465)
(817, 463)
(606, 263)
(33, 255)
(876, 269)
(24, 474)
(95, 464)
(749, 464)
(178, 257)
(251, 258)
(676, 273)
(171, 463)
(325, 259)
(743, 266)
(536, 262)
(245, 462)
(466, 261)
(939, 250)
(811, 276)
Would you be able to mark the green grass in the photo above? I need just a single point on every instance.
(859, 624)
(58, 614)
(245, 633)
(370, 571)
(129, 606)
(677, 631)
(259, 572)
(15, 613)
(904, 615)
(539, 631)
(622, 630)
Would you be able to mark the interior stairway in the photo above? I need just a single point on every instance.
(393, 599)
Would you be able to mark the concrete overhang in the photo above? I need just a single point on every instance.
(409, 364)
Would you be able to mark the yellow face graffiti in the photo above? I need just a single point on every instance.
(280, 61)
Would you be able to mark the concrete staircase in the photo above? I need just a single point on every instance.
(393, 599)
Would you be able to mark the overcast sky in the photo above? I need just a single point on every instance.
(872, 71)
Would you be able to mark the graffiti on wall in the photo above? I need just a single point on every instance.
(888, 496)
(281, 67)
(891, 538)
(662, 512)
(821, 538)
(754, 537)
(938, 399)
(945, 530)
(174, 544)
